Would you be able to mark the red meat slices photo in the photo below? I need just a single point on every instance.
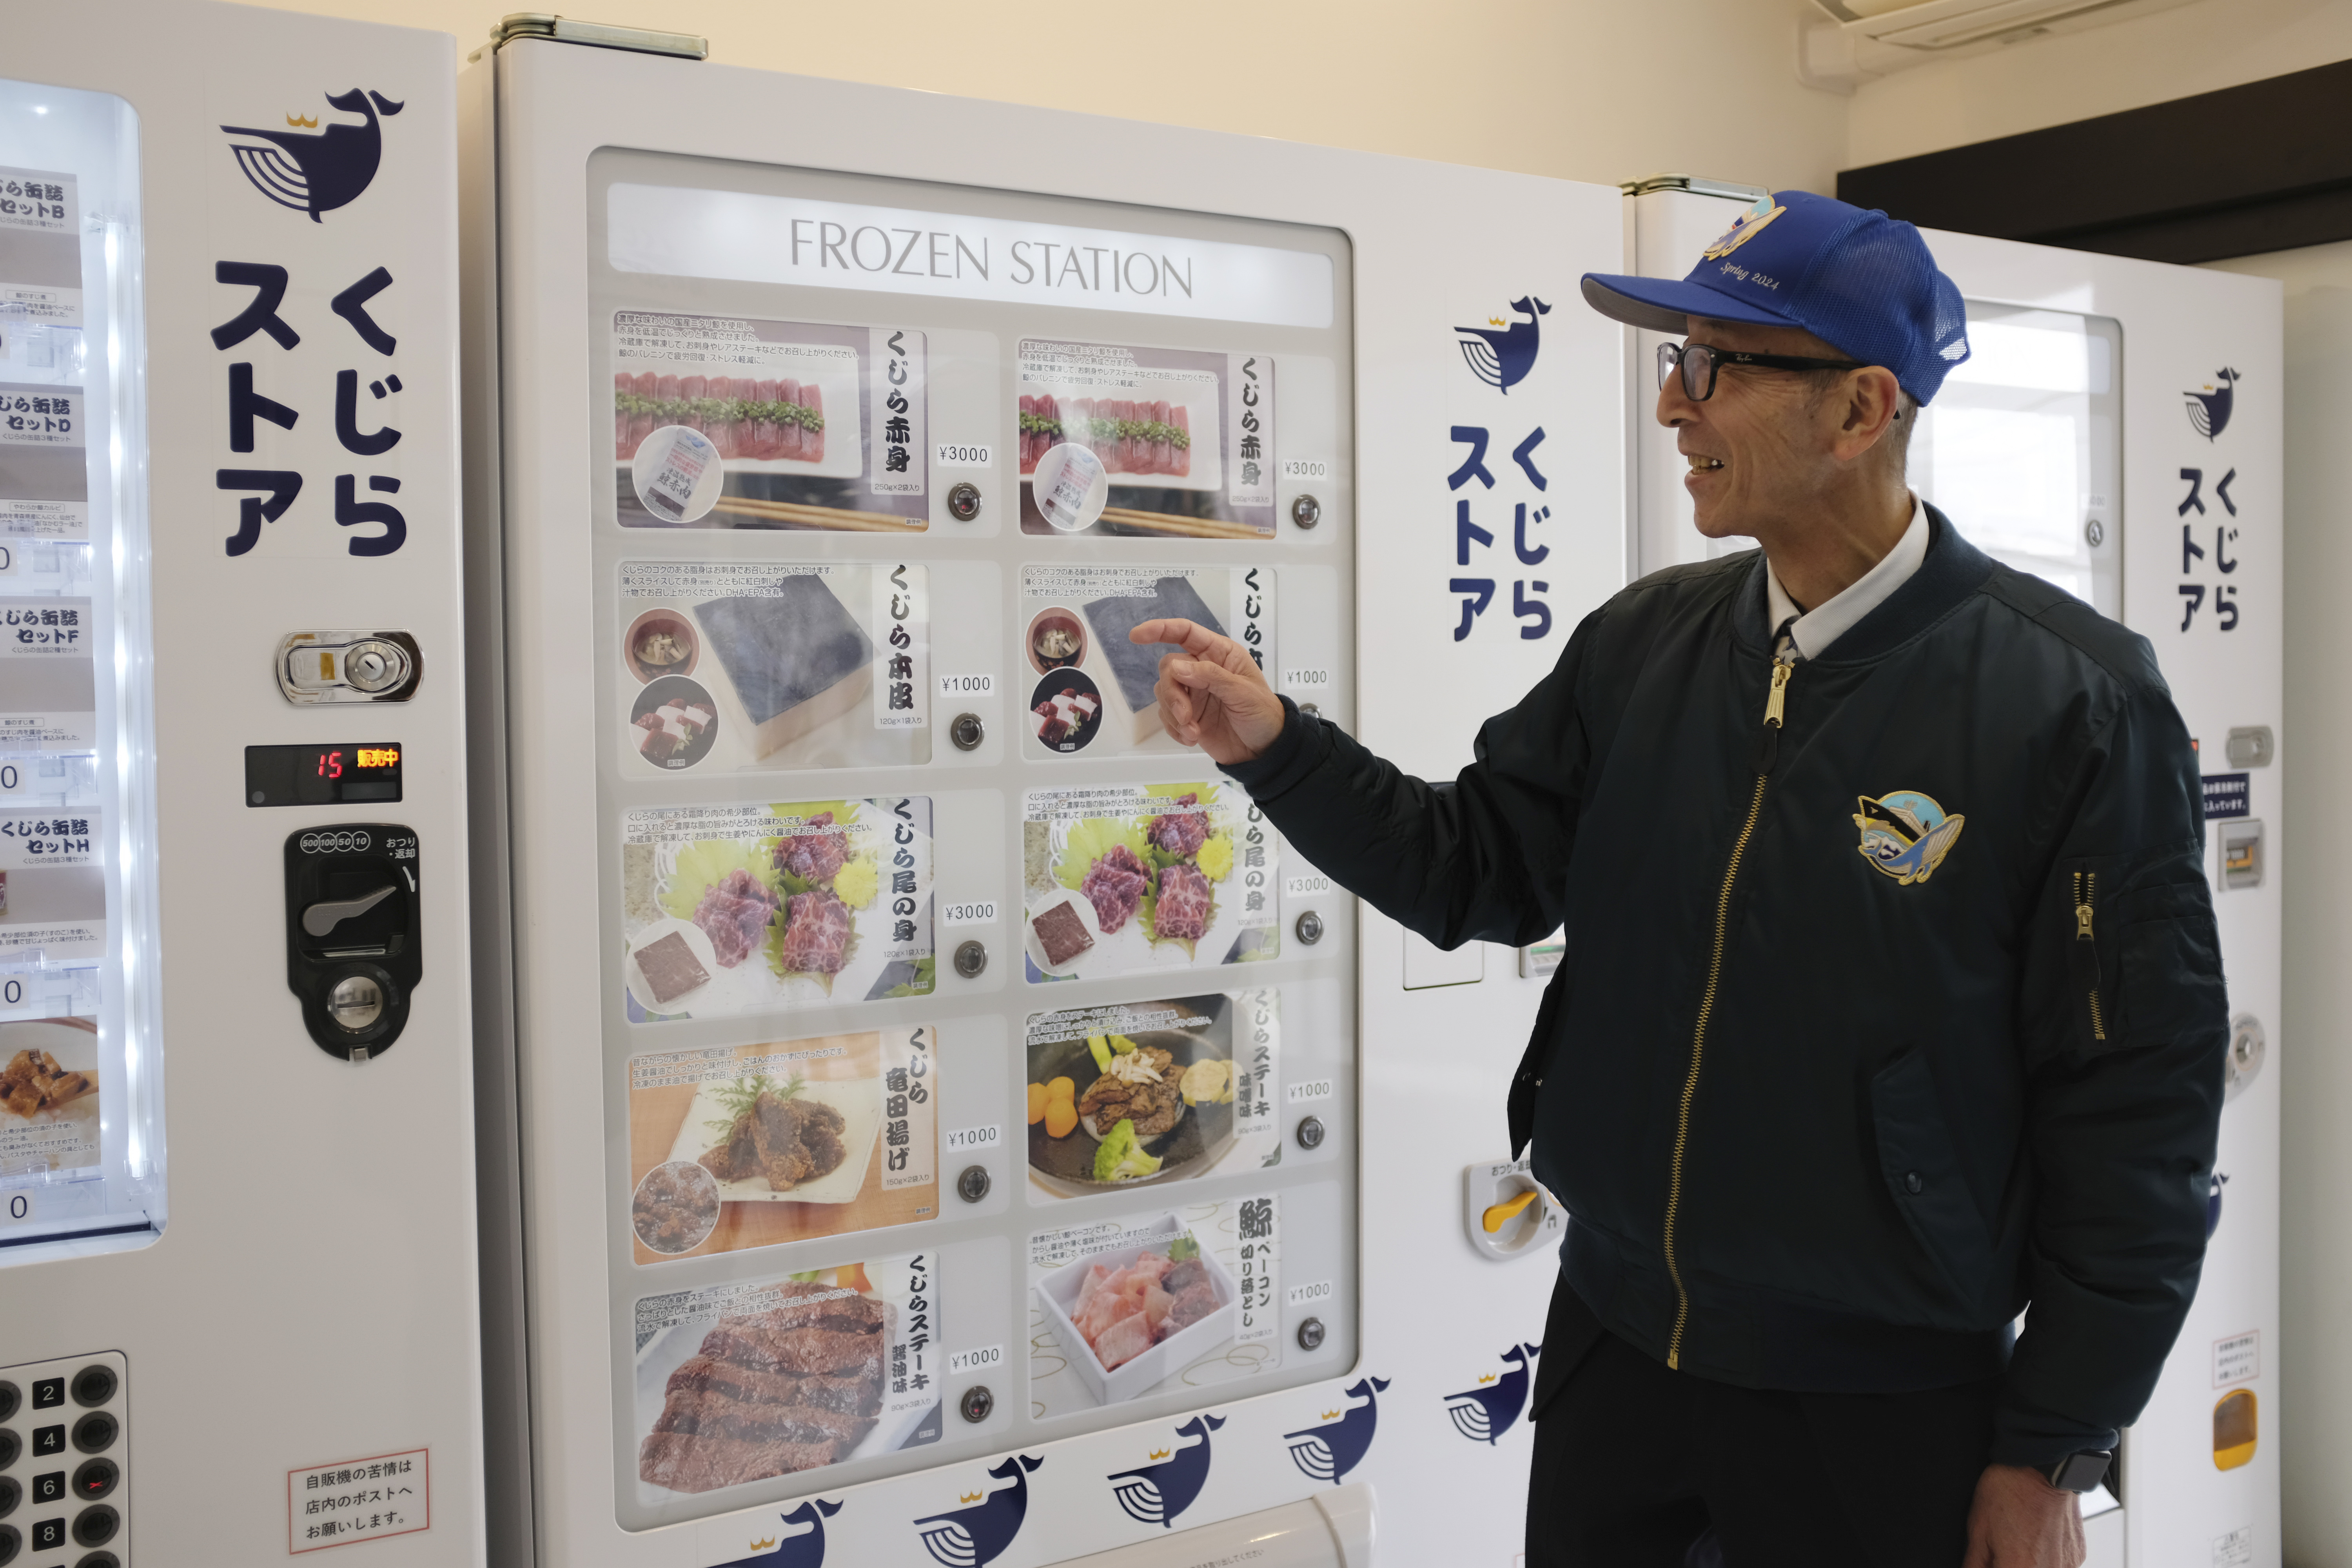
(814, 857)
(1115, 884)
(734, 914)
(1183, 912)
(1180, 833)
(816, 935)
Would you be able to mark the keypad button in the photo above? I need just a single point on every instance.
(95, 1433)
(11, 1396)
(94, 1478)
(48, 1534)
(10, 1446)
(48, 1392)
(49, 1486)
(48, 1440)
(93, 1385)
(96, 1526)
(10, 1545)
(11, 1494)
(99, 1559)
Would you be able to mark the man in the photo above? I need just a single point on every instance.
(1892, 1002)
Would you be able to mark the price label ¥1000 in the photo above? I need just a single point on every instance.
(967, 685)
(964, 1140)
(1307, 1295)
(985, 1358)
(1306, 680)
(1312, 1089)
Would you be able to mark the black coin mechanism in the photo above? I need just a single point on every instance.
(352, 953)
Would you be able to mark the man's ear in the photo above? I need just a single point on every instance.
(1866, 407)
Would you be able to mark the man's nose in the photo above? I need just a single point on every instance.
(1674, 406)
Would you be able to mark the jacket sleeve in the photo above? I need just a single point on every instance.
(2124, 1032)
(1482, 857)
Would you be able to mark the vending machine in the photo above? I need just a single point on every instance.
(953, 1126)
(236, 1201)
(2116, 430)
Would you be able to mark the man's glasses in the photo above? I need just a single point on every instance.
(1700, 362)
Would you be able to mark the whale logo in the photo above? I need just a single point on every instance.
(319, 173)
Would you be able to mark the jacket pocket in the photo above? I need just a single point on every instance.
(1922, 1172)
(2172, 986)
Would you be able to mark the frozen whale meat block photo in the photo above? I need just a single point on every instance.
(1135, 669)
(797, 661)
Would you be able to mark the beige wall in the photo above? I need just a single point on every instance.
(1583, 89)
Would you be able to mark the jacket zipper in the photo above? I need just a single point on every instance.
(1766, 749)
(2086, 951)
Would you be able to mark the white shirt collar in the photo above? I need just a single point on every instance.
(1823, 625)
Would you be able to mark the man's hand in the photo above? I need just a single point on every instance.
(2020, 1520)
(1213, 695)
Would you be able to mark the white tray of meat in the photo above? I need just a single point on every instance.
(1124, 1330)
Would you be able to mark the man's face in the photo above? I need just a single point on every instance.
(1761, 447)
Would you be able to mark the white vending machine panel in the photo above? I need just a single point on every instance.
(949, 1108)
(2116, 431)
(945, 992)
(235, 1120)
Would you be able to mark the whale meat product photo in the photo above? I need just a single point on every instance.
(1061, 933)
(797, 659)
(792, 1388)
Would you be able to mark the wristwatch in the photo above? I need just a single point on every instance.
(2080, 1472)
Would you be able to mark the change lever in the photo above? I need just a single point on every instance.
(320, 918)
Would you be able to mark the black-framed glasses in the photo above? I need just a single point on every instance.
(1700, 362)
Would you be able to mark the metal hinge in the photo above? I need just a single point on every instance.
(1697, 186)
(596, 35)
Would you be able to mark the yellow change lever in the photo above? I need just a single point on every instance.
(1501, 1214)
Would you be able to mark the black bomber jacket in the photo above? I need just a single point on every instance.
(1876, 1026)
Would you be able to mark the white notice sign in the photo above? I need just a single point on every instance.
(358, 1500)
(2238, 1358)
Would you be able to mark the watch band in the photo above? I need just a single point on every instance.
(2079, 1472)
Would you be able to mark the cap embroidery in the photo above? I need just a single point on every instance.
(1744, 227)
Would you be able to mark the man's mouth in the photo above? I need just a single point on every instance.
(1699, 465)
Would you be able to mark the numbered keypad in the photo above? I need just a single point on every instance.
(65, 1463)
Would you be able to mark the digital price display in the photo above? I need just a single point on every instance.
(338, 774)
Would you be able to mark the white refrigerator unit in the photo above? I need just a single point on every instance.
(238, 1319)
(953, 1126)
(2116, 430)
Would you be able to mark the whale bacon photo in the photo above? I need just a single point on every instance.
(743, 1383)
(1176, 1298)
(814, 427)
(1186, 438)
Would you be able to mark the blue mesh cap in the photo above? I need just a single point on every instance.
(1858, 280)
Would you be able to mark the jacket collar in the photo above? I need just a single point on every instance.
(1953, 570)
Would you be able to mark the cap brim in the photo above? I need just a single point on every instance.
(1666, 304)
